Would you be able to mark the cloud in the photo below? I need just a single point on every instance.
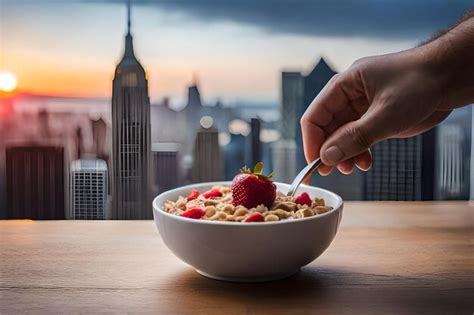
(366, 18)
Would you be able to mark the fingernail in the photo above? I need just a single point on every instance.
(333, 155)
(362, 168)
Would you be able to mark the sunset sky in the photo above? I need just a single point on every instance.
(236, 48)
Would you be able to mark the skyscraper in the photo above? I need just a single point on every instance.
(101, 138)
(35, 182)
(193, 113)
(284, 151)
(166, 168)
(452, 161)
(402, 169)
(193, 108)
(284, 160)
(207, 161)
(292, 92)
(88, 190)
(255, 142)
(131, 162)
(234, 155)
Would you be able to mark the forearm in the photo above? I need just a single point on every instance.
(451, 60)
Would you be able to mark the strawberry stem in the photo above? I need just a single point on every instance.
(257, 170)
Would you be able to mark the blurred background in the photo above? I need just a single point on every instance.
(106, 103)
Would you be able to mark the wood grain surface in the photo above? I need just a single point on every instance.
(388, 258)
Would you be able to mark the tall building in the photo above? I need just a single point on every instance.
(255, 142)
(131, 145)
(35, 182)
(193, 107)
(284, 160)
(167, 173)
(207, 160)
(451, 181)
(402, 169)
(292, 93)
(88, 190)
(101, 138)
(284, 151)
(234, 155)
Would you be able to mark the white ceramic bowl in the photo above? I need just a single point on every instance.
(247, 252)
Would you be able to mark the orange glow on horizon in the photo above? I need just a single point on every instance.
(63, 77)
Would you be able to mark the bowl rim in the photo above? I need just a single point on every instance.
(340, 204)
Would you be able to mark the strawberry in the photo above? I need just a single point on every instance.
(194, 213)
(303, 199)
(213, 193)
(193, 195)
(255, 217)
(250, 189)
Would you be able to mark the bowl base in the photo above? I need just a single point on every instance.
(248, 279)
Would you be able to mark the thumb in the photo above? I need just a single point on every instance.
(352, 139)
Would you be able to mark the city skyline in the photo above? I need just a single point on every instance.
(205, 138)
(232, 58)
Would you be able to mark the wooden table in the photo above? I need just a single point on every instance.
(388, 258)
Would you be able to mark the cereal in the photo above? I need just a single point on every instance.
(230, 218)
(210, 211)
(280, 213)
(271, 217)
(210, 202)
(219, 216)
(240, 212)
(321, 209)
(304, 213)
(240, 218)
(285, 205)
(225, 207)
(260, 208)
(217, 206)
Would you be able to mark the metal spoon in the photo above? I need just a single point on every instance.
(305, 172)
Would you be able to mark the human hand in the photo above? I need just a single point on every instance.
(391, 96)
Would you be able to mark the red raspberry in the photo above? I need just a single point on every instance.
(255, 217)
(193, 195)
(212, 193)
(303, 199)
(194, 213)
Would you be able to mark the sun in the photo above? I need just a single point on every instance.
(8, 81)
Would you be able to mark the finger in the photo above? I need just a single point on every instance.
(356, 137)
(346, 167)
(313, 138)
(364, 161)
(430, 122)
(319, 114)
(324, 170)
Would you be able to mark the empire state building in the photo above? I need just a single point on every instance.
(131, 152)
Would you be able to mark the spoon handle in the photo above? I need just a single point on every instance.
(305, 172)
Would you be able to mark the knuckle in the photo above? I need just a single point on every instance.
(359, 137)
(335, 81)
(303, 120)
(360, 61)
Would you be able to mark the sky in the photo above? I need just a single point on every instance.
(235, 50)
